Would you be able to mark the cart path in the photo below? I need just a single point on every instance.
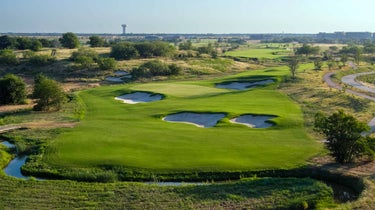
(350, 80)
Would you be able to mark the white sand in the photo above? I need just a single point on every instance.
(244, 85)
(203, 120)
(139, 97)
(114, 79)
(253, 121)
(121, 73)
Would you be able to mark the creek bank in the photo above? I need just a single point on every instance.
(345, 187)
(13, 168)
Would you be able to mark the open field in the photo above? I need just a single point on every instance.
(134, 136)
(268, 51)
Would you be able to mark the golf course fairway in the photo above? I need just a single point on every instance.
(135, 136)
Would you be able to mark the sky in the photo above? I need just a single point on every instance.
(186, 16)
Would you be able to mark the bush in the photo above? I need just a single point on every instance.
(41, 60)
(124, 51)
(155, 68)
(174, 69)
(84, 52)
(85, 57)
(96, 41)
(12, 90)
(8, 57)
(107, 63)
(49, 94)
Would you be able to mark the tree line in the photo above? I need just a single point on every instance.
(48, 94)
(26, 43)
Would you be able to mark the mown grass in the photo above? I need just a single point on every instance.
(257, 193)
(134, 136)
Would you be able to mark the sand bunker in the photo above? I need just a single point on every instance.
(119, 76)
(203, 120)
(139, 97)
(253, 121)
(120, 73)
(244, 85)
(114, 79)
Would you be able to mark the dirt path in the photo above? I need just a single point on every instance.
(350, 80)
(32, 125)
(7, 128)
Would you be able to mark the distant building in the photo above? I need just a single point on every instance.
(358, 35)
(345, 35)
(335, 35)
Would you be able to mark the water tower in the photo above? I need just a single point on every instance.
(123, 29)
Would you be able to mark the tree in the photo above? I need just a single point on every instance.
(12, 90)
(205, 49)
(123, 51)
(293, 65)
(343, 133)
(318, 63)
(185, 45)
(8, 57)
(69, 40)
(96, 41)
(6, 42)
(45, 42)
(344, 59)
(23, 43)
(145, 49)
(331, 64)
(162, 49)
(35, 45)
(107, 63)
(307, 50)
(358, 56)
(49, 94)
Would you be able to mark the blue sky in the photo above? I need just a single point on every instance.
(187, 16)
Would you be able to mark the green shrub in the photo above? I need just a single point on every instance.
(84, 57)
(8, 57)
(155, 68)
(124, 51)
(107, 63)
(12, 90)
(41, 60)
(49, 94)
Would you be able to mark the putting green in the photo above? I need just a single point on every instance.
(135, 136)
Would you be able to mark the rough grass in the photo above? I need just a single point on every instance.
(268, 51)
(135, 136)
(265, 193)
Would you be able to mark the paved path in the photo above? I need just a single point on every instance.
(7, 128)
(350, 80)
